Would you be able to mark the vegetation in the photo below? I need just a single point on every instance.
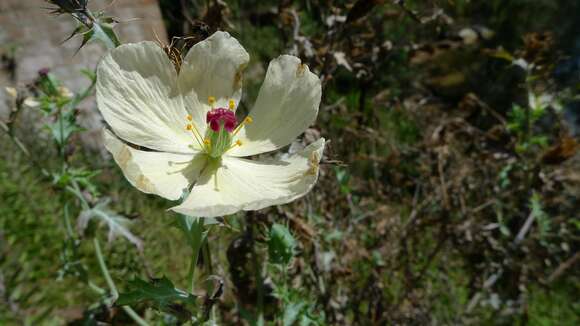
(448, 193)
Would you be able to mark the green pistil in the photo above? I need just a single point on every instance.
(220, 141)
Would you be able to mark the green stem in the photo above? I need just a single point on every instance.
(114, 292)
(258, 275)
(192, 266)
(67, 223)
(99, 290)
(193, 230)
(76, 190)
(135, 316)
(104, 268)
(285, 284)
(210, 288)
(207, 257)
(86, 93)
(61, 139)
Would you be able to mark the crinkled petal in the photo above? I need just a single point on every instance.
(213, 67)
(287, 104)
(160, 173)
(138, 96)
(244, 184)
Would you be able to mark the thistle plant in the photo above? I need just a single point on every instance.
(90, 26)
(176, 132)
(58, 107)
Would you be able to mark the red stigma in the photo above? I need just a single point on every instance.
(221, 116)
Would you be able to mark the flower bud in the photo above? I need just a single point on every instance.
(68, 6)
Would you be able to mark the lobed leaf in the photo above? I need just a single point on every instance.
(162, 291)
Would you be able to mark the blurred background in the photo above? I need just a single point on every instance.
(448, 193)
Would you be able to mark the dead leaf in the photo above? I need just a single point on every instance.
(566, 148)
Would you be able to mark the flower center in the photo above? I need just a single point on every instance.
(222, 128)
(221, 118)
(218, 137)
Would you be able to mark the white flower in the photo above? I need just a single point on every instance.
(185, 122)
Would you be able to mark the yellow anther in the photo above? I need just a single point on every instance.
(207, 142)
(191, 127)
(211, 100)
(236, 143)
(247, 120)
(232, 104)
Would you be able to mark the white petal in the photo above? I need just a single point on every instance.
(250, 185)
(163, 174)
(287, 104)
(137, 95)
(213, 67)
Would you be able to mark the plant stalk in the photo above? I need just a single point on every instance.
(192, 266)
(114, 292)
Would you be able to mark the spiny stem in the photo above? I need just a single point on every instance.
(105, 271)
(207, 257)
(193, 229)
(258, 274)
(67, 223)
(135, 316)
(104, 268)
(192, 266)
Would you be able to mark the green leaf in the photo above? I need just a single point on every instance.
(159, 292)
(90, 74)
(281, 244)
(193, 229)
(101, 31)
(504, 176)
(118, 224)
(104, 33)
(64, 127)
(343, 178)
(540, 215)
(80, 29)
(292, 312)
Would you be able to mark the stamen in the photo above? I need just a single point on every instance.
(237, 143)
(181, 170)
(185, 165)
(171, 163)
(191, 127)
(207, 142)
(232, 105)
(211, 100)
(247, 120)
